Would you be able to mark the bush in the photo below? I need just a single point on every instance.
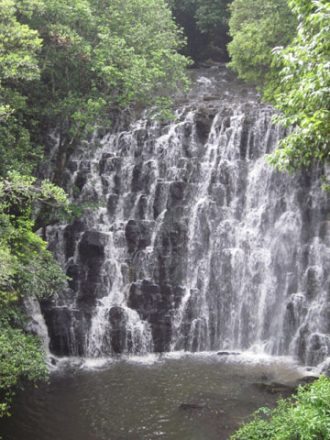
(305, 416)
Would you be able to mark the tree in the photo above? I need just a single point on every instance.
(99, 56)
(205, 23)
(66, 66)
(284, 49)
(19, 49)
(26, 268)
(256, 28)
(303, 95)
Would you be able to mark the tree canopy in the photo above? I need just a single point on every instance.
(303, 94)
(256, 27)
(205, 23)
(284, 48)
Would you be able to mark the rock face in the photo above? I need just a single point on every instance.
(192, 241)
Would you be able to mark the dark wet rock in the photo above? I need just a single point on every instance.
(66, 327)
(112, 204)
(325, 231)
(138, 234)
(326, 368)
(71, 234)
(306, 380)
(318, 347)
(91, 256)
(137, 178)
(244, 141)
(160, 198)
(118, 320)
(284, 389)
(109, 164)
(53, 361)
(276, 388)
(153, 303)
(146, 298)
(72, 166)
(85, 166)
(81, 180)
(177, 190)
(228, 353)
(84, 170)
(142, 206)
(91, 246)
(203, 122)
(73, 273)
(313, 281)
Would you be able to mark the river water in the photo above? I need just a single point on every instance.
(174, 397)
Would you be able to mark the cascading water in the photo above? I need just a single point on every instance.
(193, 241)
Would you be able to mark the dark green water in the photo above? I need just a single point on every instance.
(193, 397)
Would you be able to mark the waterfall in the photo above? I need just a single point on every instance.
(191, 241)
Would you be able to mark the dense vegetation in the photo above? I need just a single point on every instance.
(66, 66)
(256, 27)
(303, 95)
(205, 22)
(305, 416)
(285, 47)
(26, 268)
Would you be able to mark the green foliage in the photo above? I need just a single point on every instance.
(303, 95)
(306, 416)
(97, 56)
(256, 28)
(208, 14)
(21, 358)
(211, 14)
(143, 39)
(19, 48)
(19, 43)
(26, 268)
(295, 76)
(66, 64)
(206, 25)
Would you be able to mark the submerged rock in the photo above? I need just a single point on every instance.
(189, 406)
(285, 389)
